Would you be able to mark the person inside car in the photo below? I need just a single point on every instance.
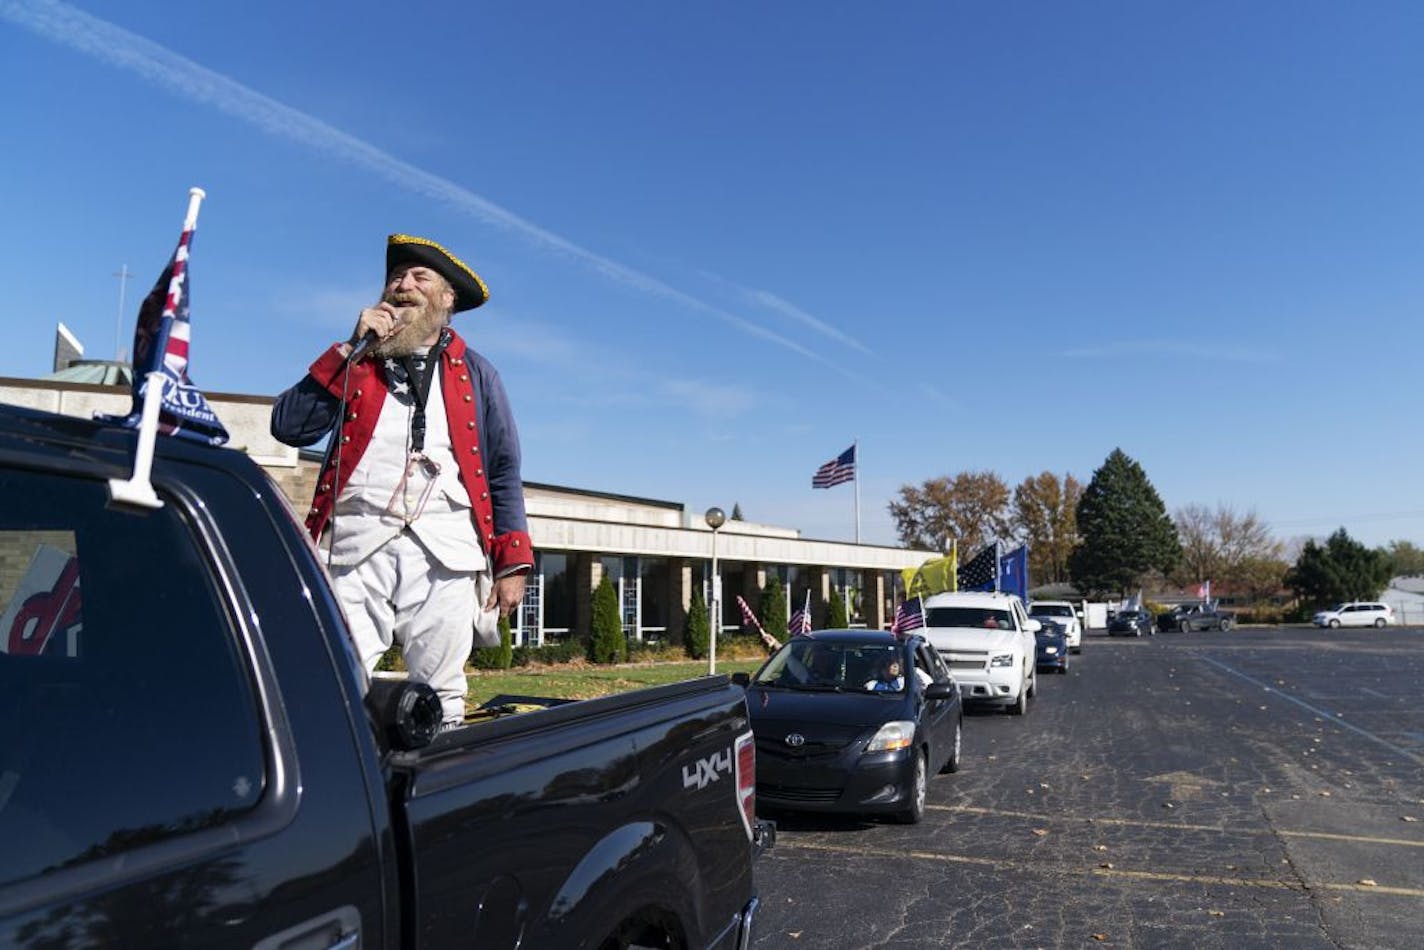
(889, 678)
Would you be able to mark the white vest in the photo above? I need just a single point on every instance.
(375, 507)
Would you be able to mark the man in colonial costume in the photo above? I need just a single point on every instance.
(419, 503)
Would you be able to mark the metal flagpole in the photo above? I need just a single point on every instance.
(855, 456)
(997, 555)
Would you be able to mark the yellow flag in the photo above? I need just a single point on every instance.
(932, 577)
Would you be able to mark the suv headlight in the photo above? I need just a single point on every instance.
(1002, 659)
(893, 735)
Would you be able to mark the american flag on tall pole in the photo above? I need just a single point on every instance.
(910, 615)
(837, 471)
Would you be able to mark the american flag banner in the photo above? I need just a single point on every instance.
(161, 346)
(748, 618)
(910, 615)
(982, 572)
(837, 471)
(800, 623)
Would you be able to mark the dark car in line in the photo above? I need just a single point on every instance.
(853, 721)
(1052, 651)
(1188, 617)
(1132, 623)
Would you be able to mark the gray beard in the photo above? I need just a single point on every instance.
(422, 324)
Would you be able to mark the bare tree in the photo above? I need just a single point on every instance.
(971, 507)
(1233, 549)
(1045, 517)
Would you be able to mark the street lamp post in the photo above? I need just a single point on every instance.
(715, 519)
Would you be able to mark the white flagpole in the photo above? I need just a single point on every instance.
(997, 555)
(855, 446)
(138, 490)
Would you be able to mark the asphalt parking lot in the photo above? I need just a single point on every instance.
(1255, 788)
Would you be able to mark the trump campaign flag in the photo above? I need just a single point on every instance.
(160, 353)
(1013, 572)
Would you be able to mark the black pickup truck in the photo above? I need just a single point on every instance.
(190, 755)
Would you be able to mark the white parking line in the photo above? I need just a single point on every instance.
(1332, 717)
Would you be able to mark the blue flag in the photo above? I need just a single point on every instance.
(1013, 572)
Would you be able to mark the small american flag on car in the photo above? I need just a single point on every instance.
(910, 615)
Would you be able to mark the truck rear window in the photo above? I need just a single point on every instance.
(127, 714)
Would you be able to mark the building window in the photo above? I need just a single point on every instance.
(557, 597)
(656, 595)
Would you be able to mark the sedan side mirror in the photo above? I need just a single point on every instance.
(940, 690)
(742, 679)
(1033, 626)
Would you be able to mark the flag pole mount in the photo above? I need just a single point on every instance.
(137, 491)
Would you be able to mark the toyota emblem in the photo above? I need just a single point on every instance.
(796, 740)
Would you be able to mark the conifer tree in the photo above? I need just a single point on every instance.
(698, 633)
(773, 608)
(1125, 530)
(608, 644)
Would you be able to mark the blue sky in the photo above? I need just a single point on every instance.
(725, 240)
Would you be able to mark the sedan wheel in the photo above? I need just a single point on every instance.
(1334, 624)
(1185, 626)
(916, 812)
(1379, 622)
(953, 764)
(1224, 625)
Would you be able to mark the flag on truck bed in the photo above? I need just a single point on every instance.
(161, 346)
(837, 470)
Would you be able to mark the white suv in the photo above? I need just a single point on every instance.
(1358, 614)
(988, 642)
(1061, 612)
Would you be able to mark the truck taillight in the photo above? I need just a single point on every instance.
(746, 780)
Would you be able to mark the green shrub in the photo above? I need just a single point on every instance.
(836, 617)
(773, 608)
(496, 658)
(392, 661)
(608, 644)
(699, 629)
(550, 654)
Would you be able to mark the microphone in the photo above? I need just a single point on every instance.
(362, 345)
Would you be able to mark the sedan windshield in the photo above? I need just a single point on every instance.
(812, 665)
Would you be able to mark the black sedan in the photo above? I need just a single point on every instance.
(853, 721)
(1132, 623)
(1052, 652)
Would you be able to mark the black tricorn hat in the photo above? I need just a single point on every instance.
(470, 291)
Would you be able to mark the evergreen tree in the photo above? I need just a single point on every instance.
(836, 617)
(1125, 530)
(736, 511)
(608, 644)
(1339, 570)
(504, 659)
(773, 608)
(698, 634)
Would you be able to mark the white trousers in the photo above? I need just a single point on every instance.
(402, 594)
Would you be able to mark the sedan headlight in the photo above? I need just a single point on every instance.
(1003, 659)
(893, 735)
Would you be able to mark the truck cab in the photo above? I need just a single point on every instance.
(191, 754)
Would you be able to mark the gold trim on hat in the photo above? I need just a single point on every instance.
(412, 239)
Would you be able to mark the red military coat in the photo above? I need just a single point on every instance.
(500, 522)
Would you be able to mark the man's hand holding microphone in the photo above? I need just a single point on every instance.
(375, 324)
